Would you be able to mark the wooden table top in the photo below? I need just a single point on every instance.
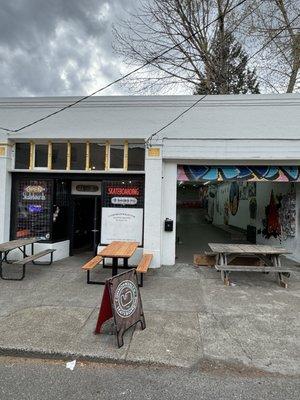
(119, 249)
(14, 244)
(246, 249)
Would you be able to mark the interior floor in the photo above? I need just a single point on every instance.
(193, 233)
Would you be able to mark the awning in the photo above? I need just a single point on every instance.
(256, 173)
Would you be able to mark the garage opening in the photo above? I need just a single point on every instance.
(235, 204)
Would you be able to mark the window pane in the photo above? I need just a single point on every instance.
(97, 156)
(78, 153)
(34, 210)
(22, 155)
(60, 209)
(117, 156)
(59, 155)
(41, 156)
(136, 157)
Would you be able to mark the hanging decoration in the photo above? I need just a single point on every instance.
(234, 198)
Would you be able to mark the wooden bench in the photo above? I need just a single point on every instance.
(279, 270)
(27, 260)
(91, 265)
(143, 266)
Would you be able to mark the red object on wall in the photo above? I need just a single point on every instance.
(273, 222)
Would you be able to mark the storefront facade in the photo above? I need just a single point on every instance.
(85, 177)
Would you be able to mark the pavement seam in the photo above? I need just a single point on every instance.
(232, 337)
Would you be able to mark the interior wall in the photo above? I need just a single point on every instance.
(242, 217)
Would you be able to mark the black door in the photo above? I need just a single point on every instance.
(86, 224)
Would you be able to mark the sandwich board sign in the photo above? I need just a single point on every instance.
(121, 301)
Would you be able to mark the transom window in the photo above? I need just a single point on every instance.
(80, 156)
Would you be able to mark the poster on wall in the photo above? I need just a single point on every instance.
(122, 211)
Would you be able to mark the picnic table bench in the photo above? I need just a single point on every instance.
(269, 255)
(115, 251)
(21, 244)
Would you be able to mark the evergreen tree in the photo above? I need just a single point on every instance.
(227, 71)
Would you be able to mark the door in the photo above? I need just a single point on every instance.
(86, 224)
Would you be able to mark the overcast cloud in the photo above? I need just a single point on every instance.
(58, 47)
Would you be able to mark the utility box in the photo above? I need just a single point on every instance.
(169, 225)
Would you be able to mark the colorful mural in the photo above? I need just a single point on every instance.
(249, 173)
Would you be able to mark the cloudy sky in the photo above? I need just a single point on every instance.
(58, 47)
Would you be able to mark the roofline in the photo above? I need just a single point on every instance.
(154, 101)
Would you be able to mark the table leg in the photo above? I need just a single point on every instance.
(280, 279)
(114, 266)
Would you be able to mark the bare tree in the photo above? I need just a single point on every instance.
(158, 25)
(279, 64)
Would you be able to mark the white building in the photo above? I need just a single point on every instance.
(97, 148)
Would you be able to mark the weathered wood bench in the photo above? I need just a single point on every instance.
(279, 270)
(89, 266)
(26, 260)
(143, 266)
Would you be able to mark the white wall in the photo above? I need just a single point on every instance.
(241, 219)
(169, 211)
(153, 208)
(5, 194)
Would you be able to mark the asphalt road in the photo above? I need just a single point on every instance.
(47, 379)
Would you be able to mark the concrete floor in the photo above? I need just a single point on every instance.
(190, 316)
(194, 233)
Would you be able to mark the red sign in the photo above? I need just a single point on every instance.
(123, 191)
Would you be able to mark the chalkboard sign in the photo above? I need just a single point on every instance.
(121, 301)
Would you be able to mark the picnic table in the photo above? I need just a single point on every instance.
(21, 244)
(117, 250)
(269, 255)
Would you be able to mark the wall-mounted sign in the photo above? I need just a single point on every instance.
(121, 301)
(124, 201)
(2, 151)
(122, 224)
(86, 188)
(122, 211)
(154, 152)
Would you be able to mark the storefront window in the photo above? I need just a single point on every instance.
(22, 155)
(117, 156)
(136, 157)
(41, 156)
(34, 208)
(59, 155)
(78, 156)
(60, 209)
(97, 156)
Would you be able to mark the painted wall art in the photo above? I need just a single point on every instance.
(205, 173)
(234, 198)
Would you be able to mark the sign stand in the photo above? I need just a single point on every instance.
(122, 301)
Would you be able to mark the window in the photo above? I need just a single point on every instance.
(22, 156)
(34, 208)
(136, 157)
(60, 209)
(117, 156)
(78, 156)
(41, 156)
(97, 156)
(59, 155)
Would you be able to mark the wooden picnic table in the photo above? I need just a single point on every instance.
(21, 244)
(269, 255)
(16, 244)
(116, 250)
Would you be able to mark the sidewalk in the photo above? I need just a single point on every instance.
(190, 316)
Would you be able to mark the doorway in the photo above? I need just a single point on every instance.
(85, 233)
